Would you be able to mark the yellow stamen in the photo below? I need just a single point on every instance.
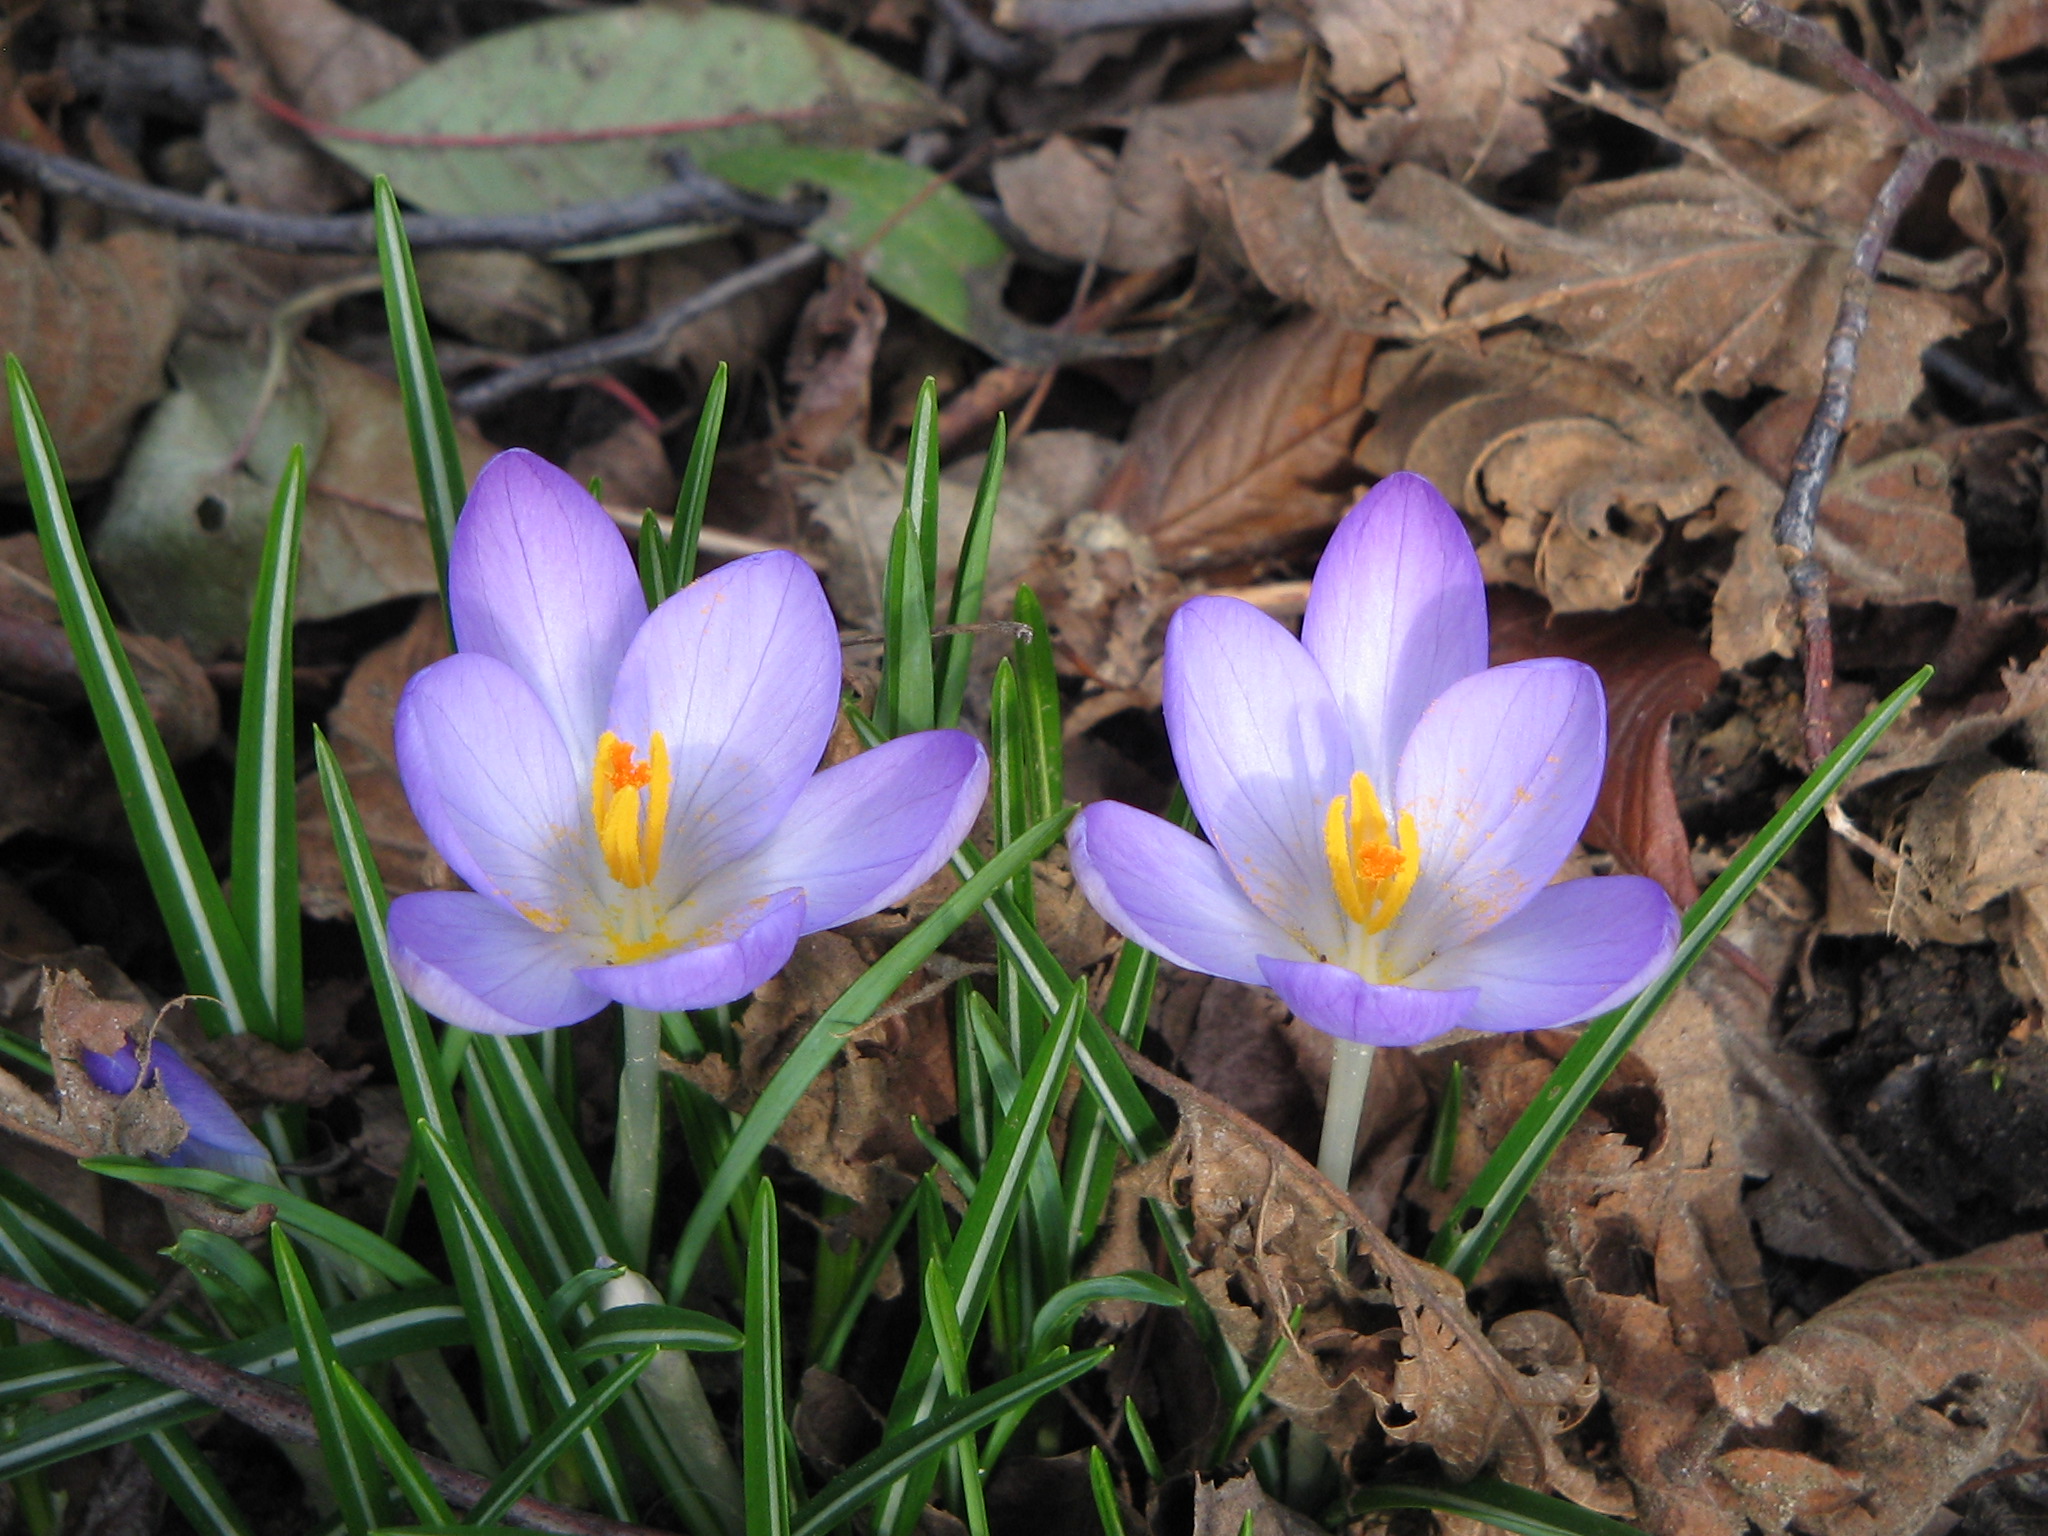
(1371, 875)
(630, 843)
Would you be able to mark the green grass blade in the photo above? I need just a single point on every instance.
(653, 561)
(237, 1287)
(566, 1299)
(436, 459)
(903, 1453)
(174, 1461)
(905, 700)
(826, 1038)
(209, 946)
(1482, 1214)
(554, 1441)
(264, 864)
(1104, 1489)
(300, 1214)
(651, 1325)
(970, 580)
(1064, 1307)
(95, 1270)
(1247, 1405)
(351, 1465)
(941, 1309)
(1038, 686)
(1091, 1159)
(761, 1422)
(1443, 1140)
(381, 1436)
(872, 1263)
(1141, 1441)
(696, 487)
(1490, 1501)
(921, 489)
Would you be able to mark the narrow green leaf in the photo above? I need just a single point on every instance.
(174, 1461)
(216, 963)
(1104, 1489)
(554, 1441)
(1481, 1215)
(1039, 693)
(351, 1465)
(651, 1325)
(1443, 1140)
(826, 1038)
(430, 425)
(970, 579)
(264, 864)
(872, 1264)
(907, 700)
(96, 1270)
(905, 1452)
(941, 1309)
(767, 1469)
(696, 487)
(1091, 1159)
(1141, 1441)
(1247, 1404)
(238, 1287)
(1064, 1307)
(565, 1299)
(1490, 1501)
(652, 553)
(382, 1436)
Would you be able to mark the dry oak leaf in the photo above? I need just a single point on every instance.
(1652, 671)
(1904, 1389)
(1573, 469)
(1670, 275)
(91, 324)
(1250, 450)
(1385, 1344)
(360, 730)
(1454, 84)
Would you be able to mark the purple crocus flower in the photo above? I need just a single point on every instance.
(1384, 812)
(215, 1137)
(632, 798)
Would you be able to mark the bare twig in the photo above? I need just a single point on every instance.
(984, 44)
(1793, 528)
(693, 197)
(646, 337)
(268, 1407)
(1067, 17)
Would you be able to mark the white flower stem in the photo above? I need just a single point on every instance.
(636, 1155)
(1343, 1108)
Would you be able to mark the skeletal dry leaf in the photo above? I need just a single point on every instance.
(1250, 450)
(91, 323)
(1574, 470)
(360, 730)
(1652, 671)
(1901, 1391)
(1454, 85)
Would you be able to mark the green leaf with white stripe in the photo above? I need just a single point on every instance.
(652, 1325)
(182, 1472)
(264, 866)
(376, 1430)
(554, 1441)
(351, 1464)
(218, 969)
(761, 1419)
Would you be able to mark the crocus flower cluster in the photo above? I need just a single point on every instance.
(633, 799)
(215, 1137)
(1384, 812)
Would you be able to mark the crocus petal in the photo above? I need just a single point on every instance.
(215, 1136)
(720, 964)
(466, 959)
(739, 672)
(540, 579)
(1578, 949)
(1397, 614)
(1169, 891)
(1343, 1003)
(491, 784)
(867, 832)
(1262, 751)
(1500, 776)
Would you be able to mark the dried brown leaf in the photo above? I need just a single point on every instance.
(1911, 1384)
(91, 324)
(1250, 450)
(1653, 670)
(1221, 1508)
(251, 1070)
(360, 730)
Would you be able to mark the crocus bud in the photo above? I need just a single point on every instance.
(215, 1137)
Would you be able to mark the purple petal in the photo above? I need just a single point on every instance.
(111, 1074)
(1396, 615)
(723, 962)
(867, 832)
(1576, 950)
(491, 784)
(739, 672)
(1262, 751)
(1343, 1003)
(1169, 891)
(215, 1136)
(1500, 775)
(466, 959)
(540, 579)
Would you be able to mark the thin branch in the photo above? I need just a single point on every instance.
(1059, 18)
(986, 44)
(1815, 457)
(268, 1407)
(628, 345)
(693, 197)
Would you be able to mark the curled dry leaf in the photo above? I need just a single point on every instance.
(1671, 275)
(1893, 1397)
(1945, 730)
(1652, 670)
(1221, 1509)
(1250, 450)
(1391, 1353)
(84, 1121)
(360, 730)
(1573, 470)
(91, 324)
(1454, 85)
